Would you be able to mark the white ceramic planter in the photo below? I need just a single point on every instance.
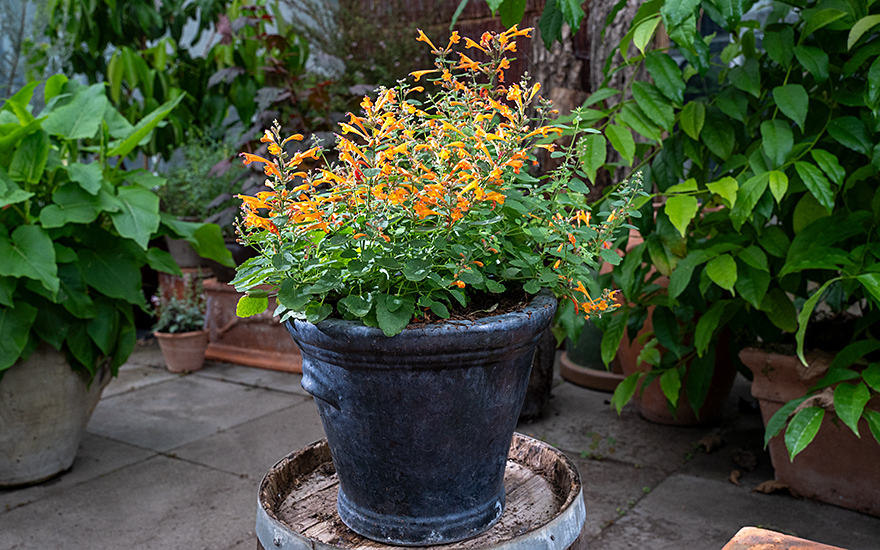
(44, 409)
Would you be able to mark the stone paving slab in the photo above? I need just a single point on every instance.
(251, 376)
(168, 415)
(133, 377)
(253, 447)
(695, 513)
(160, 504)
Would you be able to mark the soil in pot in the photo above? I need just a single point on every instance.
(419, 424)
(185, 351)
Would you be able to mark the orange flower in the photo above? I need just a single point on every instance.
(467, 63)
(425, 39)
(471, 44)
(420, 74)
(267, 137)
(274, 149)
(249, 158)
(459, 284)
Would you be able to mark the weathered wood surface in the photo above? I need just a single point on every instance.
(754, 538)
(541, 484)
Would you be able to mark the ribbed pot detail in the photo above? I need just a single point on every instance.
(419, 425)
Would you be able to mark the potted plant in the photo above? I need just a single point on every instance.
(180, 326)
(416, 276)
(769, 216)
(75, 231)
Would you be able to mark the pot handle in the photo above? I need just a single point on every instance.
(316, 382)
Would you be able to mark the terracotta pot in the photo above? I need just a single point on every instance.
(44, 409)
(837, 467)
(184, 351)
(652, 404)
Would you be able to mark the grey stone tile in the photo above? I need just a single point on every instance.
(146, 354)
(252, 376)
(159, 504)
(135, 376)
(168, 415)
(580, 420)
(250, 449)
(96, 456)
(698, 513)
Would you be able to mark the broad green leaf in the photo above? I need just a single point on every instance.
(681, 276)
(717, 134)
(871, 376)
(73, 293)
(667, 329)
(778, 184)
(612, 337)
(88, 176)
(624, 391)
(816, 182)
(143, 128)
(829, 164)
(804, 317)
(849, 402)
(631, 115)
(356, 305)
(871, 283)
(699, 379)
(861, 26)
(777, 141)
(417, 270)
(747, 198)
(693, 116)
(802, 429)
(104, 328)
(592, 154)
(726, 188)
(138, 215)
(780, 418)
(707, 326)
(793, 101)
(752, 284)
(643, 33)
(686, 186)
(511, 12)
(873, 419)
(850, 132)
(733, 103)
(572, 12)
(161, 260)
(54, 86)
(10, 192)
(317, 312)
(666, 75)
(550, 23)
(676, 12)
(681, 209)
(249, 306)
(51, 324)
(653, 104)
(807, 211)
(872, 89)
(599, 95)
(755, 257)
(15, 325)
(471, 276)
(779, 45)
(73, 204)
(112, 272)
(622, 140)
(819, 19)
(722, 271)
(747, 77)
(670, 384)
(814, 60)
(7, 288)
(29, 253)
(29, 159)
(19, 102)
(393, 317)
(81, 118)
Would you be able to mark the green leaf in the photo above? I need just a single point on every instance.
(778, 184)
(777, 141)
(612, 337)
(670, 384)
(675, 12)
(138, 217)
(18, 103)
(850, 132)
(632, 116)
(471, 276)
(872, 90)
(780, 419)
(693, 116)
(10, 193)
(779, 45)
(871, 283)
(681, 275)
(802, 429)
(643, 32)
(816, 182)
(599, 95)
(73, 204)
(814, 60)
(592, 154)
(733, 103)
(726, 188)
(793, 101)
(417, 270)
(30, 157)
(143, 128)
(666, 75)
(511, 12)
(81, 118)
(717, 136)
(550, 24)
(622, 140)
(706, 327)
(15, 325)
(747, 77)
(804, 317)
(861, 26)
(161, 260)
(625, 390)
(873, 418)
(29, 253)
(722, 271)
(51, 324)
(653, 104)
(849, 402)
(315, 312)
(747, 198)
(572, 13)
(392, 316)
(819, 19)
(73, 293)
(113, 272)
(248, 306)
(88, 176)
(752, 284)
(104, 328)
(829, 164)
(699, 379)
(681, 209)
(871, 376)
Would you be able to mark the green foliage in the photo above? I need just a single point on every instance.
(770, 203)
(75, 230)
(184, 312)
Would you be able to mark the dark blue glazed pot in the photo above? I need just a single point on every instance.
(419, 425)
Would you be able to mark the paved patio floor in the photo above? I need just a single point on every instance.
(173, 462)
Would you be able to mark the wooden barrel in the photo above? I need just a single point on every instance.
(296, 507)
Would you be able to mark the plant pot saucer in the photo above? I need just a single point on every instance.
(594, 379)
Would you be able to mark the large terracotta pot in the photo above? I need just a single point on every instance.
(419, 425)
(44, 409)
(184, 351)
(837, 467)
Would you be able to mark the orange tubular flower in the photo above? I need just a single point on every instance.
(297, 137)
(249, 158)
(471, 44)
(274, 149)
(459, 284)
(419, 74)
(467, 63)
(267, 137)
(423, 38)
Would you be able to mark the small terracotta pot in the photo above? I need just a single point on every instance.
(184, 351)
